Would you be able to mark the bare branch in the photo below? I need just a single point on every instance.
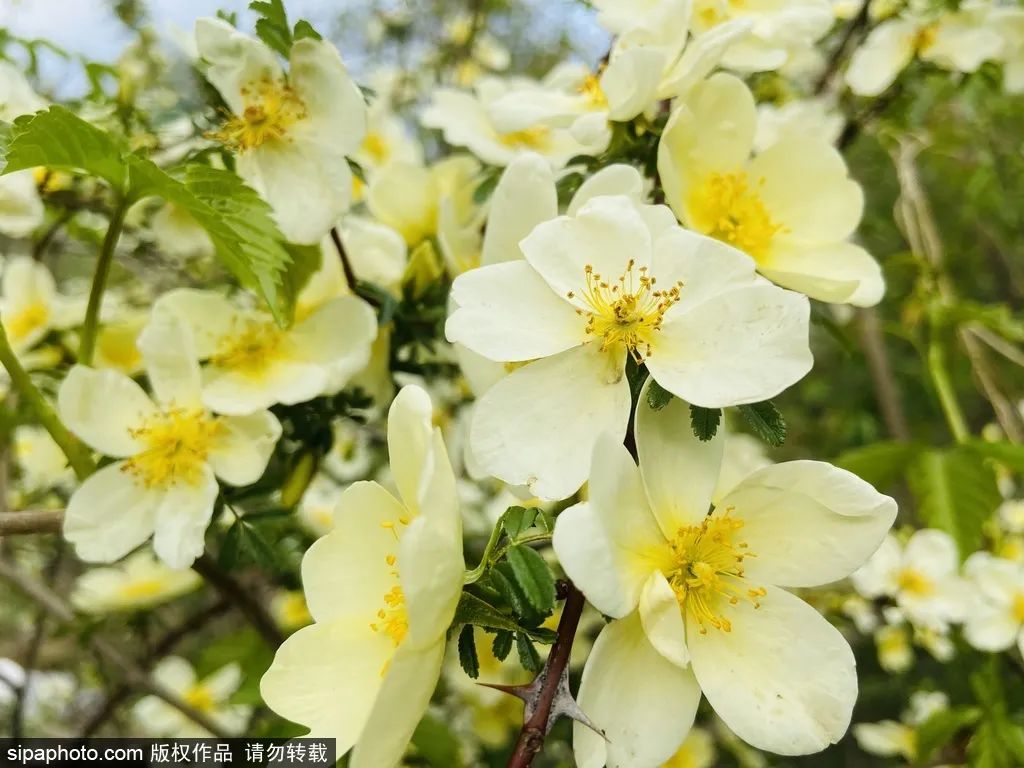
(31, 521)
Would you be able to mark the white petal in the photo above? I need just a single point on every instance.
(346, 573)
(783, 679)
(507, 312)
(643, 703)
(874, 578)
(538, 426)
(102, 408)
(880, 59)
(403, 699)
(805, 187)
(314, 665)
(224, 682)
(110, 515)
(680, 471)
(619, 179)
(211, 316)
(169, 353)
(243, 447)
(744, 346)
(662, 620)
(410, 443)
(21, 208)
(524, 197)
(933, 552)
(431, 570)
(990, 628)
(332, 100)
(837, 273)
(630, 81)
(235, 60)
(182, 519)
(610, 544)
(337, 334)
(175, 674)
(607, 233)
(240, 392)
(808, 522)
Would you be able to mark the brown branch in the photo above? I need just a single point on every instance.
(31, 521)
(858, 22)
(531, 737)
(108, 651)
(346, 264)
(249, 606)
(887, 391)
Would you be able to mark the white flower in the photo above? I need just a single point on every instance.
(922, 578)
(139, 581)
(1011, 515)
(251, 363)
(1008, 22)
(316, 508)
(995, 617)
(791, 207)
(382, 588)
(779, 31)
(178, 234)
(466, 120)
(170, 452)
(21, 209)
(895, 652)
(960, 42)
(292, 135)
(613, 279)
(890, 738)
(799, 118)
(210, 696)
(30, 306)
(42, 465)
(700, 599)
(696, 751)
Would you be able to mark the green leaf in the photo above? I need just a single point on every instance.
(534, 577)
(502, 578)
(518, 520)
(435, 743)
(304, 261)
(57, 138)
(657, 396)
(485, 188)
(528, 655)
(473, 610)
(766, 421)
(467, 652)
(956, 493)
(880, 464)
(304, 29)
(705, 421)
(502, 645)
(1009, 455)
(940, 729)
(272, 28)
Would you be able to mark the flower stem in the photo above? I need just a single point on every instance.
(78, 455)
(87, 347)
(947, 394)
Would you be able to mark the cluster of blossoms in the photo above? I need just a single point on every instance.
(487, 308)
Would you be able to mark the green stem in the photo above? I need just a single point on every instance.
(87, 347)
(947, 394)
(78, 455)
(473, 576)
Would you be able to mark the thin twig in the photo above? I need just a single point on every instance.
(887, 391)
(108, 651)
(31, 521)
(250, 607)
(858, 22)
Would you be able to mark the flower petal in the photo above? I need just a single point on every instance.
(338, 334)
(879, 60)
(808, 522)
(243, 447)
(679, 471)
(524, 197)
(662, 620)
(619, 179)
(171, 364)
(744, 346)
(783, 679)
(102, 408)
(837, 273)
(110, 515)
(211, 316)
(181, 521)
(644, 704)
(431, 569)
(507, 313)
(235, 60)
(538, 426)
(332, 100)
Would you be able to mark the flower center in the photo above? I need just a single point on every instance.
(271, 108)
(914, 582)
(708, 569)
(177, 442)
(27, 320)
(250, 347)
(727, 208)
(1018, 607)
(376, 147)
(537, 137)
(591, 89)
(925, 38)
(626, 312)
(199, 696)
(393, 620)
(139, 590)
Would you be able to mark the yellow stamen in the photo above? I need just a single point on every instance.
(271, 108)
(376, 147)
(708, 569)
(591, 88)
(729, 209)
(27, 320)
(914, 582)
(1018, 607)
(199, 697)
(626, 312)
(537, 137)
(250, 348)
(177, 443)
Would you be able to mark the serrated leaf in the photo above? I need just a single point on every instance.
(519, 519)
(534, 578)
(880, 464)
(657, 396)
(474, 610)
(956, 493)
(502, 645)
(304, 29)
(528, 655)
(504, 581)
(467, 652)
(766, 422)
(705, 421)
(57, 138)
(272, 28)
(939, 729)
